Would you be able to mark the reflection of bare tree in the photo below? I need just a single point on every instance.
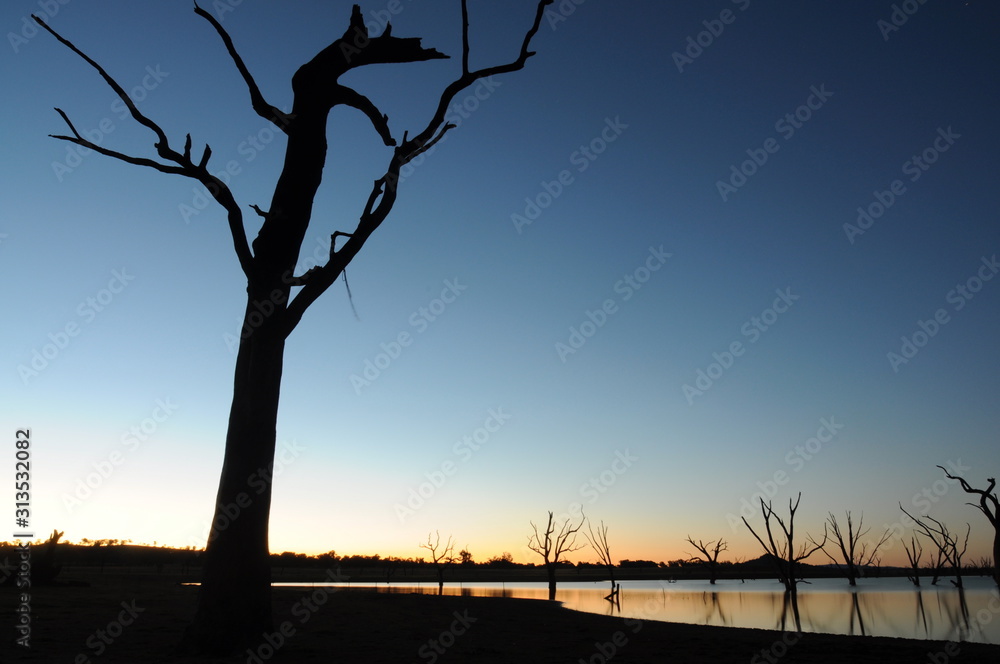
(856, 612)
(947, 543)
(990, 506)
(855, 553)
(957, 613)
(922, 612)
(790, 608)
(713, 607)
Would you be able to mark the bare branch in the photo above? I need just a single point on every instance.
(987, 497)
(354, 99)
(113, 84)
(265, 110)
(219, 191)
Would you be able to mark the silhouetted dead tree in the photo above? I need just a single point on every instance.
(552, 545)
(914, 551)
(440, 558)
(853, 552)
(783, 551)
(234, 605)
(709, 554)
(946, 542)
(990, 507)
(599, 543)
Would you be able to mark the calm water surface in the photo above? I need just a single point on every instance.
(877, 607)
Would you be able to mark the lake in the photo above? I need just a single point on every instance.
(876, 607)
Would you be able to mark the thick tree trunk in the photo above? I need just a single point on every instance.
(996, 557)
(551, 570)
(234, 603)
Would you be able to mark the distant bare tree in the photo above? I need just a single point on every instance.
(709, 554)
(990, 506)
(440, 557)
(785, 555)
(853, 552)
(599, 542)
(914, 551)
(947, 543)
(551, 545)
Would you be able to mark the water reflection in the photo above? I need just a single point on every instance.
(876, 607)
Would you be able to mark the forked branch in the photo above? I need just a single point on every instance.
(184, 164)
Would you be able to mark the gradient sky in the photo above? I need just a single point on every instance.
(620, 130)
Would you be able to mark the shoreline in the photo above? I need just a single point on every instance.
(362, 625)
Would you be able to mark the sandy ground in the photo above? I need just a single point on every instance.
(79, 625)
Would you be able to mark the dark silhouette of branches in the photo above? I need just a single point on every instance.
(946, 542)
(440, 557)
(709, 554)
(551, 545)
(854, 553)
(783, 551)
(234, 604)
(599, 543)
(990, 507)
(914, 551)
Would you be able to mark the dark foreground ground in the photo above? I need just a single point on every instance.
(77, 625)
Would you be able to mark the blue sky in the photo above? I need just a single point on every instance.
(663, 190)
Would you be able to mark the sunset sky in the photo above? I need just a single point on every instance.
(694, 252)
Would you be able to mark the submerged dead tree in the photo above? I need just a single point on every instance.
(551, 545)
(783, 550)
(855, 554)
(950, 548)
(234, 605)
(990, 507)
(599, 543)
(441, 558)
(914, 551)
(709, 554)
